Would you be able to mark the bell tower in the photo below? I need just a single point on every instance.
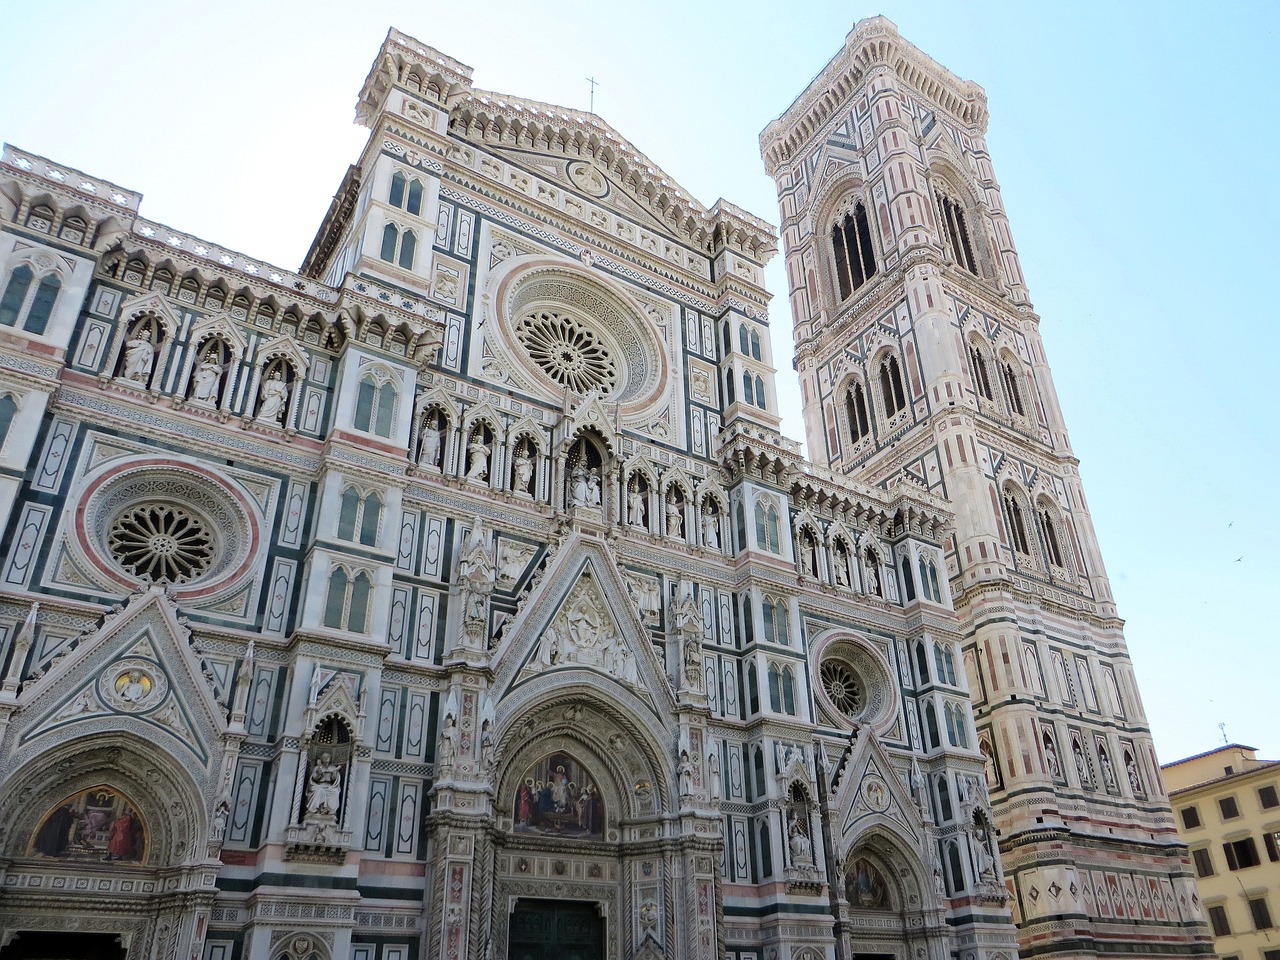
(920, 358)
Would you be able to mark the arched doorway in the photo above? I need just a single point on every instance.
(555, 930)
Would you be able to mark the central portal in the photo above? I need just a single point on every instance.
(555, 930)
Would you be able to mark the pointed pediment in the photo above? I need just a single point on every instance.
(137, 671)
(592, 413)
(220, 325)
(871, 792)
(580, 616)
(156, 304)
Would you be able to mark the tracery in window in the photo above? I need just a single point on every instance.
(1049, 530)
(956, 231)
(843, 686)
(568, 351)
(375, 406)
(402, 190)
(1009, 377)
(856, 412)
(981, 376)
(1017, 525)
(851, 245)
(347, 603)
(895, 398)
(359, 516)
(162, 542)
(15, 294)
(398, 247)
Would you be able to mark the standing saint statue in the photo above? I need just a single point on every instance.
(522, 471)
(274, 398)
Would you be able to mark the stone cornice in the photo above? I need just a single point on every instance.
(874, 43)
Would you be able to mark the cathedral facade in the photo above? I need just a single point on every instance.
(457, 596)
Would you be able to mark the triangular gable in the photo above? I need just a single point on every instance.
(592, 412)
(870, 794)
(137, 672)
(581, 617)
(152, 303)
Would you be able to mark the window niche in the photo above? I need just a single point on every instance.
(855, 259)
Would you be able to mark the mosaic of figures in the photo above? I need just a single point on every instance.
(96, 824)
(558, 797)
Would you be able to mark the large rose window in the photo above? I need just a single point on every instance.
(159, 541)
(569, 352)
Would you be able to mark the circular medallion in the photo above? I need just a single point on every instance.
(588, 179)
(133, 685)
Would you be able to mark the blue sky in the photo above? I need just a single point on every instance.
(1135, 145)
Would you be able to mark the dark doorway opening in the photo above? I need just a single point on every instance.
(34, 945)
(555, 930)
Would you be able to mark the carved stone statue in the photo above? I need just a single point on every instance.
(636, 508)
(685, 771)
(139, 355)
(522, 472)
(204, 385)
(801, 846)
(579, 486)
(1051, 760)
(448, 745)
(478, 469)
(713, 773)
(1135, 781)
(274, 398)
(1108, 773)
(873, 583)
(711, 531)
(593, 487)
(429, 454)
(675, 518)
(841, 566)
(981, 838)
(325, 794)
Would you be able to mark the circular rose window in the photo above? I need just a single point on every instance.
(842, 687)
(160, 541)
(164, 522)
(855, 682)
(563, 328)
(569, 352)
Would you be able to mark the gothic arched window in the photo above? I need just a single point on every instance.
(8, 410)
(375, 406)
(957, 231)
(981, 376)
(15, 295)
(851, 246)
(1011, 389)
(856, 410)
(895, 398)
(1017, 525)
(1050, 531)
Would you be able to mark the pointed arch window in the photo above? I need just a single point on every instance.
(851, 246)
(1049, 529)
(922, 663)
(375, 406)
(15, 295)
(744, 343)
(390, 238)
(405, 193)
(908, 581)
(981, 376)
(755, 344)
(408, 247)
(1017, 525)
(8, 410)
(957, 231)
(347, 604)
(760, 400)
(895, 398)
(767, 535)
(748, 392)
(788, 691)
(775, 688)
(1011, 389)
(856, 410)
(359, 517)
